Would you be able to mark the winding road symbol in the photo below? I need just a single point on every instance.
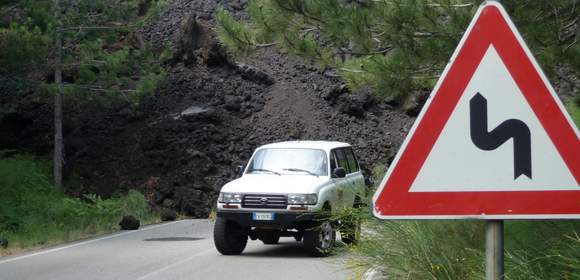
(510, 129)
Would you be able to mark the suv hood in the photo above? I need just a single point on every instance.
(271, 183)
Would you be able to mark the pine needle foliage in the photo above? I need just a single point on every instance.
(396, 46)
(104, 57)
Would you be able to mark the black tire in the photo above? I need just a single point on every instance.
(319, 240)
(298, 236)
(271, 238)
(228, 237)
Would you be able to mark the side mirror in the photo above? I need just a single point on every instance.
(339, 172)
(240, 170)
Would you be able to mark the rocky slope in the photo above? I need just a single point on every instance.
(213, 112)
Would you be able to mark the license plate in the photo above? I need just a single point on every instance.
(263, 216)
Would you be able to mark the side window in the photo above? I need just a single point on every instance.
(342, 160)
(332, 162)
(352, 162)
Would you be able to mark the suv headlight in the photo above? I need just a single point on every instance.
(230, 198)
(302, 199)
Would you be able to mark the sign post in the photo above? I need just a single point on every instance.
(494, 250)
(492, 142)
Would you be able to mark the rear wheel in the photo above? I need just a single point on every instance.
(319, 240)
(298, 236)
(229, 237)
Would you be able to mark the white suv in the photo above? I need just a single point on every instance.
(289, 189)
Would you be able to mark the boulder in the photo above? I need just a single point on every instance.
(198, 43)
(194, 201)
(3, 243)
(129, 223)
(168, 214)
(334, 93)
(233, 103)
(168, 203)
(413, 104)
(254, 74)
(192, 37)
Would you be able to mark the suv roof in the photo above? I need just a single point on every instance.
(322, 145)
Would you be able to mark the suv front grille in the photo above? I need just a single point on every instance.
(264, 201)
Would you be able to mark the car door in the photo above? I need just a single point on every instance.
(343, 185)
(355, 178)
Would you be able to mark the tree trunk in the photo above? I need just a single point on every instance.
(58, 140)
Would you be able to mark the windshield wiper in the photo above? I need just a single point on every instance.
(300, 170)
(265, 170)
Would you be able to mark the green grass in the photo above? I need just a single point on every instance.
(455, 249)
(33, 213)
(573, 108)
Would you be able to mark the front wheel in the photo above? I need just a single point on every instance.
(229, 237)
(319, 240)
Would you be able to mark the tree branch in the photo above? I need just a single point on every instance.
(265, 45)
(347, 51)
(80, 28)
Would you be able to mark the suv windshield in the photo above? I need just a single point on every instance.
(289, 161)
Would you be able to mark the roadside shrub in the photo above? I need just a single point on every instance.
(456, 249)
(33, 212)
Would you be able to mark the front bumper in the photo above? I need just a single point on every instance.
(282, 220)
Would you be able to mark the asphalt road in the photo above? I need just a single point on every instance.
(177, 250)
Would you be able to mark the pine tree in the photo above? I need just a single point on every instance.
(93, 44)
(398, 47)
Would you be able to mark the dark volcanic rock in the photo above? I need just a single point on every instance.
(254, 74)
(413, 105)
(233, 103)
(355, 104)
(129, 223)
(193, 37)
(3, 243)
(168, 214)
(216, 55)
(332, 94)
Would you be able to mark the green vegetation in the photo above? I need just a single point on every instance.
(86, 51)
(573, 108)
(398, 47)
(455, 249)
(34, 213)
(104, 58)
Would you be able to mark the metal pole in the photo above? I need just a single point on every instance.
(58, 139)
(494, 250)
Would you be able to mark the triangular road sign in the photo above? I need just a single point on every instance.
(492, 142)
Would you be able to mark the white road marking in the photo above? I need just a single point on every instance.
(174, 264)
(86, 242)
